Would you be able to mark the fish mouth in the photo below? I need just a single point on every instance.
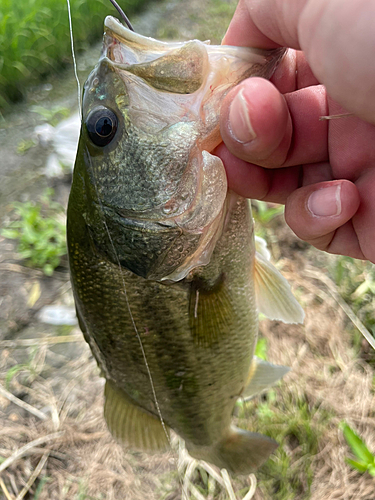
(124, 34)
(150, 48)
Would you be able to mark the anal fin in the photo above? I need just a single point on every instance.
(131, 425)
(261, 376)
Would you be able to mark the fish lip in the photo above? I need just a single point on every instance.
(114, 25)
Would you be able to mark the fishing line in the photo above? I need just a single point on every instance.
(184, 491)
(105, 224)
(133, 321)
(128, 304)
(74, 59)
(122, 14)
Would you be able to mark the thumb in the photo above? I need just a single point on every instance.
(321, 215)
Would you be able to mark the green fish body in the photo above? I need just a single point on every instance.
(163, 261)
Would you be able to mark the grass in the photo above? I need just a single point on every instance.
(209, 23)
(365, 461)
(34, 39)
(40, 233)
(355, 282)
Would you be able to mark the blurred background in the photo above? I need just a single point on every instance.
(53, 439)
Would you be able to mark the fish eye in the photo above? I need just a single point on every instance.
(101, 124)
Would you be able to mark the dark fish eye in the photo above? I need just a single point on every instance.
(101, 124)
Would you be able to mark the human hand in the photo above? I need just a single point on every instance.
(323, 170)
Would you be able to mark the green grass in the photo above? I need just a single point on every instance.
(298, 428)
(34, 38)
(365, 461)
(208, 23)
(355, 281)
(40, 233)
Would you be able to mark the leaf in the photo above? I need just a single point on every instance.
(11, 234)
(361, 467)
(357, 445)
(261, 349)
(34, 294)
(48, 270)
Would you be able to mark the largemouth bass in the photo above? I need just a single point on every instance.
(163, 262)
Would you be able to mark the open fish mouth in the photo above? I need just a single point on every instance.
(171, 211)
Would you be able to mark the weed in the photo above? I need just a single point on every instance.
(366, 459)
(40, 487)
(288, 474)
(54, 115)
(25, 145)
(261, 348)
(31, 369)
(40, 231)
(263, 214)
(35, 39)
(355, 282)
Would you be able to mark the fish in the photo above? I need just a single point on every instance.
(167, 276)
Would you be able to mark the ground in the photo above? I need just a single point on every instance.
(54, 442)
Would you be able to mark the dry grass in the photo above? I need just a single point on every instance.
(335, 384)
(83, 460)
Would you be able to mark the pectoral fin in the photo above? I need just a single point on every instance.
(274, 296)
(130, 424)
(210, 311)
(261, 376)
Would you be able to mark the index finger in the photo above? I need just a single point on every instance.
(250, 28)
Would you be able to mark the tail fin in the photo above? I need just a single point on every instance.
(239, 452)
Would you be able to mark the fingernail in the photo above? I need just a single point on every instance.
(239, 119)
(326, 201)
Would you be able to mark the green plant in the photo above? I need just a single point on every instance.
(29, 370)
(53, 115)
(355, 281)
(298, 428)
(34, 38)
(40, 487)
(366, 459)
(40, 231)
(265, 212)
(261, 348)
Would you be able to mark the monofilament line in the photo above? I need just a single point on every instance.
(74, 59)
(122, 14)
(132, 319)
(128, 306)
